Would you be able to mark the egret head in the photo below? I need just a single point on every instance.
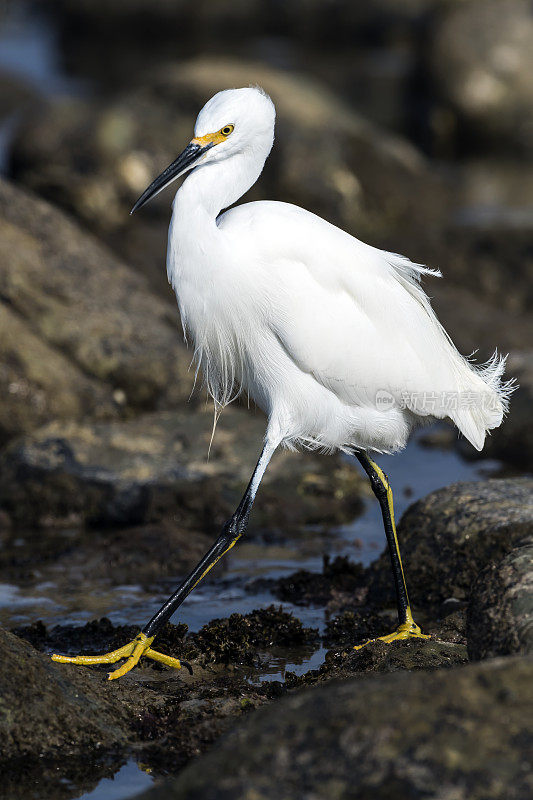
(234, 121)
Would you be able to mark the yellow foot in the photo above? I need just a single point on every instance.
(133, 651)
(407, 630)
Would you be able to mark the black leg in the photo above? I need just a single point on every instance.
(383, 492)
(230, 535)
(141, 645)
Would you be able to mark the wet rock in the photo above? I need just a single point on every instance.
(232, 640)
(45, 710)
(500, 613)
(89, 308)
(449, 536)
(101, 636)
(481, 59)
(57, 716)
(238, 638)
(349, 171)
(340, 577)
(411, 655)
(156, 466)
(88, 566)
(458, 732)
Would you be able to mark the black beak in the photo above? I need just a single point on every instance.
(184, 162)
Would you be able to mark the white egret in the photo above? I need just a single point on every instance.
(335, 340)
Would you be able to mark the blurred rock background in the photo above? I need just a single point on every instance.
(409, 124)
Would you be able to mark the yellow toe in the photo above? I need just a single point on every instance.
(105, 658)
(407, 630)
(163, 659)
(132, 652)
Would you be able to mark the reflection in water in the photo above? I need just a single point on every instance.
(127, 782)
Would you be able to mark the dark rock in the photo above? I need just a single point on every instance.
(476, 325)
(417, 654)
(156, 466)
(459, 732)
(449, 536)
(57, 718)
(513, 441)
(15, 94)
(88, 563)
(500, 613)
(338, 577)
(232, 640)
(70, 293)
(481, 58)
(354, 627)
(45, 710)
(237, 638)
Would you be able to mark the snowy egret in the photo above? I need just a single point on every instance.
(335, 340)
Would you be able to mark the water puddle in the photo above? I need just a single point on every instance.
(127, 782)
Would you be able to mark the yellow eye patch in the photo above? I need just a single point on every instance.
(214, 138)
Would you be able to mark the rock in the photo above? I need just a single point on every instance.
(15, 95)
(238, 638)
(233, 640)
(327, 158)
(494, 261)
(38, 382)
(513, 441)
(449, 536)
(476, 325)
(156, 466)
(69, 718)
(481, 60)
(79, 300)
(47, 710)
(339, 578)
(500, 613)
(380, 657)
(453, 733)
(100, 570)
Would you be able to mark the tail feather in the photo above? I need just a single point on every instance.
(484, 399)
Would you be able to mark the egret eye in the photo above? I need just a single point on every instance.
(227, 129)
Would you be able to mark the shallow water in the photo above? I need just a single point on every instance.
(51, 598)
(413, 473)
(130, 780)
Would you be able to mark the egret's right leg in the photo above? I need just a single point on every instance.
(232, 531)
(407, 627)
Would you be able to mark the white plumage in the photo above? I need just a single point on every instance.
(335, 340)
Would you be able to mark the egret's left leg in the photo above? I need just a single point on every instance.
(407, 627)
(232, 531)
